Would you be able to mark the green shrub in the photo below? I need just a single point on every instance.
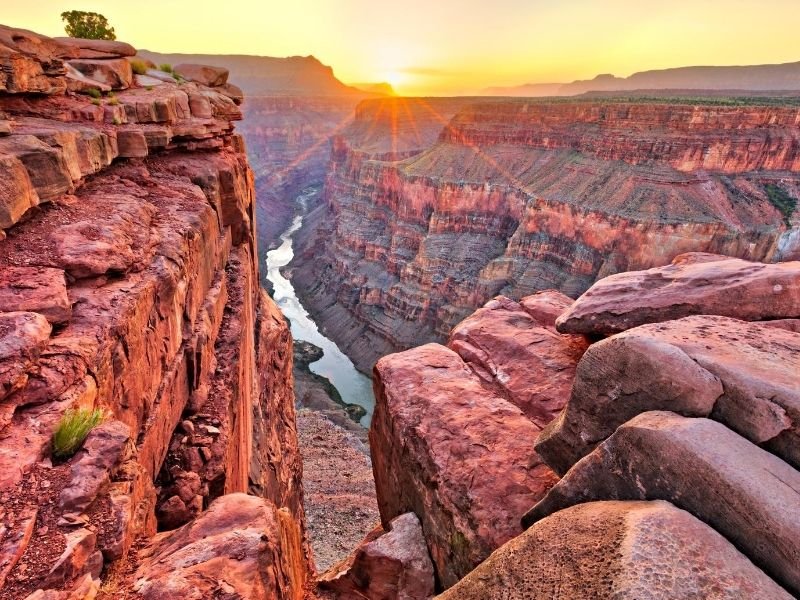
(113, 100)
(91, 25)
(96, 101)
(139, 66)
(73, 428)
(780, 199)
(149, 88)
(94, 92)
(166, 67)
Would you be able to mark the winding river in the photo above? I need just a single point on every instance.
(353, 386)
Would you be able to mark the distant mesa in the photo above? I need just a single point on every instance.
(267, 75)
(753, 78)
(382, 87)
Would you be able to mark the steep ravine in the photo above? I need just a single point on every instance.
(432, 207)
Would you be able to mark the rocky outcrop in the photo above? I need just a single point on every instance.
(386, 566)
(453, 429)
(617, 550)
(741, 374)
(129, 278)
(692, 463)
(433, 208)
(692, 284)
(241, 547)
(686, 425)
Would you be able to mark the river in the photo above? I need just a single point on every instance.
(353, 386)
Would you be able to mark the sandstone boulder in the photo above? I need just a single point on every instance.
(454, 453)
(92, 467)
(530, 365)
(545, 307)
(17, 193)
(392, 566)
(742, 374)
(98, 48)
(113, 245)
(202, 74)
(622, 550)
(30, 62)
(80, 83)
(115, 73)
(234, 92)
(35, 289)
(46, 167)
(695, 283)
(747, 494)
(241, 547)
(80, 557)
(23, 336)
(161, 76)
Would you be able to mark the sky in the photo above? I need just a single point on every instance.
(441, 47)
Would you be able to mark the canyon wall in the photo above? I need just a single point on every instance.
(434, 206)
(129, 284)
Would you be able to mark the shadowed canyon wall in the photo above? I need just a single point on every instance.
(433, 206)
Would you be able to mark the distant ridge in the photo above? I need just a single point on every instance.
(753, 78)
(266, 75)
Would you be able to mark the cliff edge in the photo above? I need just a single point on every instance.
(129, 284)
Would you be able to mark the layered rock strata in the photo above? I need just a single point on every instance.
(129, 284)
(434, 208)
(675, 441)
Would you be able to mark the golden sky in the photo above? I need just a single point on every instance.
(448, 46)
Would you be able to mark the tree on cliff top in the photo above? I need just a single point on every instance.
(89, 25)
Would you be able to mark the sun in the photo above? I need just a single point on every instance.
(394, 78)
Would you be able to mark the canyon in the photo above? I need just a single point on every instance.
(584, 319)
(434, 206)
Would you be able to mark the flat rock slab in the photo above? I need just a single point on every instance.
(546, 306)
(748, 495)
(531, 365)
(35, 289)
(241, 547)
(742, 374)
(459, 456)
(98, 48)
(695, 283)
(622, 550)
(202, 74)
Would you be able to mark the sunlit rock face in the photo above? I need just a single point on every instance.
(433, 206)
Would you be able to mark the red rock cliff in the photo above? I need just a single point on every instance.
(129, 283)
(429, 215)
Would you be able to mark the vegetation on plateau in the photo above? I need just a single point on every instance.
(88, 25)
(781, 200)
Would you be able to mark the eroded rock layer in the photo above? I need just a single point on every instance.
(435, 206)
(129, 284)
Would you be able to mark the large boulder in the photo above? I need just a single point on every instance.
(747, 494)
(202, 74)
(529, 364)
(621, 550)
(241, 547)
(453, 452)
(116, 73)
(387, 566)
(17, 193)
(742, 374)
(98, 48)
(23, 336)
(30, 62)
(36, 289)
(695, 283)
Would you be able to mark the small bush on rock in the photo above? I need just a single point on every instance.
(166, 67)
(73, 428)
(94, 92)
(139, 66)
